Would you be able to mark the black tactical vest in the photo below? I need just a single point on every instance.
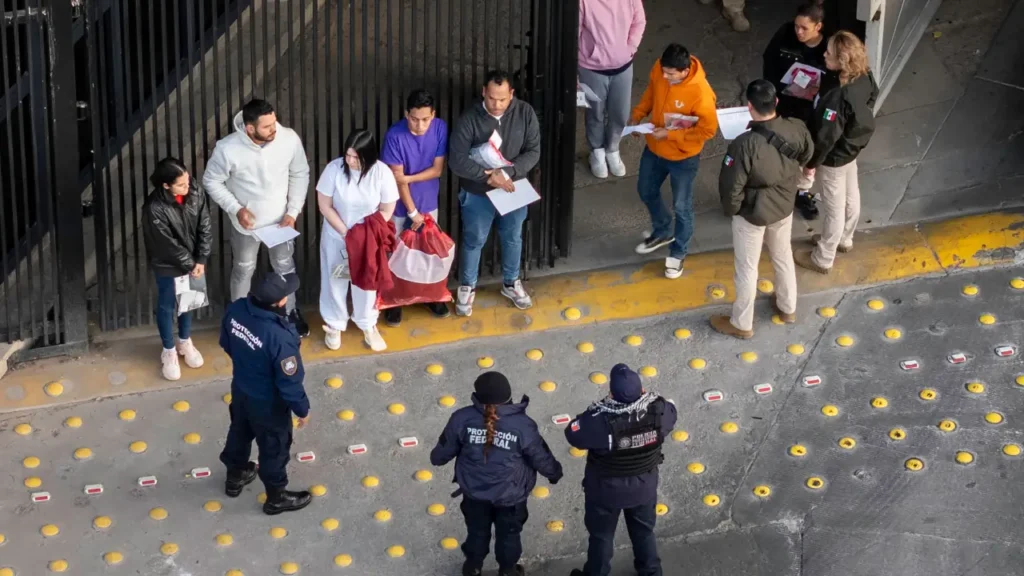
(636, 444)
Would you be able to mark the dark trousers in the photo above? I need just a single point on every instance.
(270, 425)
(508, 526)
(601, 522)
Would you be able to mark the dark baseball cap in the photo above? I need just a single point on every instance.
(274, 287)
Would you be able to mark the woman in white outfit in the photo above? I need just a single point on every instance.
(350, 189)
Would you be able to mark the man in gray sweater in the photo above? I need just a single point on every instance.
(511, 126)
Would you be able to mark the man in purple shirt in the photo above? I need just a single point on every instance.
(415, 148)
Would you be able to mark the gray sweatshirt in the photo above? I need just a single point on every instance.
(520, 134)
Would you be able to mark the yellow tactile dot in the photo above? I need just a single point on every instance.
(585, 347)
(698, 363)
(234, 572)
(318, 490)
(798, 450)
(830, 410)
(33, 482)
(449, 543)
(342, 560)
(897, 434)
(633, 340)
(383, 377)
(748, 357)
(423, 475)
(927, 394)
(346, 415)
(396, 551)
(815, 483)
(762, 491)
(446, 401)
(485, 362)
(396, 408)
(598, 378)
(277, 532)
(682, 334)
(82, 454)
(845, 341)
(547, 386)
(289, 568)
(137, 447)
(112, 558)
(987, 319)
(191, 438)
(795, 349)
(3, 538)
(1011, 449)
(73, 422)
(158, 513)
(30, 462)
(181, 406)
(572, 313)
(534, 354)
(49, 530)
(382, 515)
(169, 549)
(7, 571)
(765, 286)
(226, 398)
(1017, 283)
(975, 387)
(994, 418)
(212, 506)
(435, 369)
(913, 464)
(777, 320)
(660, 509)
(436, 509)
(53, 389)
(879, 402)
(712, 500)
(876, 304)
(648, 371)
(261, 497)
(964, 457)
(555, 526)
(680, 435)
(695, 468)
(102, 522)
(847, 443)
(224, 539)
(576, 452)
(23, 429)
(893, 333)
(127, 415)
(729, 427)
(334, 382)
(717, 293)
(1019, 380)
(827, 312)
(969, 290)
(58, 566)
(541, 492)
(370, 482)
(330, 524)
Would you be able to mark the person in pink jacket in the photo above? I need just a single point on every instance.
(610, 32)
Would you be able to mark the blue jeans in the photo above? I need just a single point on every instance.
(478, 215)
(681, 173)
(166, 304)
(601, 521)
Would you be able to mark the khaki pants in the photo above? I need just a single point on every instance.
(840, 196)
(733, 5)
(747, 240)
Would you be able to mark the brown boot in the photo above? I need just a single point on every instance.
(737, 19)
(787, 318)
(724, 325)
(844, 249)
(804, 260)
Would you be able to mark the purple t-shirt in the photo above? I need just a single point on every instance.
(416, 154)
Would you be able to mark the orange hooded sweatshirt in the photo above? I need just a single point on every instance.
(691, 97)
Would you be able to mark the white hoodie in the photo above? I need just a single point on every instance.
(270, 180)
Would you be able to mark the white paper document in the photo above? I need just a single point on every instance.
(639, 129)
(181, 284)
(273, 235)
(505, 202)
(733, 121)
(585, 95)
(190, 301)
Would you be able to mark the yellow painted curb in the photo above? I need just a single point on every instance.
(882, 255)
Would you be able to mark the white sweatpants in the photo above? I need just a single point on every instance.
(334, 292)
(746, 241)
(840, 196)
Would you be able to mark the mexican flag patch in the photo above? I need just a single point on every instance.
(830, 115)
(728, 160)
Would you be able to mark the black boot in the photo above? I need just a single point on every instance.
(238, 479)
(285, 501)
(393, 316)
(516, 570)
(471, 569)
(439, 309)
(576, 572)
(301, 326)
(805, 204)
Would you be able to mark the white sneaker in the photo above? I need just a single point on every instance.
(517, 294)
(192, 356)
(673, 268)
(169, 359)
(374, 340)
(615, 164)
(598, 165)
(332, 338)
(464, 301)
(738, 19)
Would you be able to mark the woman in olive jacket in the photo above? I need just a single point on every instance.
(176, 228)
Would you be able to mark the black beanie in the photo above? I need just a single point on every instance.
(492, 388)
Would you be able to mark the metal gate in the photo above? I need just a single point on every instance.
(165, 77)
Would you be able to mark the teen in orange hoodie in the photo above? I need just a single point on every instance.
(681, 105)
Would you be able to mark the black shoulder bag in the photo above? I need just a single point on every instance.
(784, 148)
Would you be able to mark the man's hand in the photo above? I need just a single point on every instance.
(417, 221)
(660, 133)
(497, 179)
(287, 222)
(401, 178)
(246, 218)
(809, 172)
(198, 270)
(304, 421)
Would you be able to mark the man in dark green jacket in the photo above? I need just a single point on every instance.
(758, 185)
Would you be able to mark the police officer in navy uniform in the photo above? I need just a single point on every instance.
(622, 434)
(498, 452)
(266, 389)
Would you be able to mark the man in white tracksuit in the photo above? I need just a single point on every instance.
(259, 176)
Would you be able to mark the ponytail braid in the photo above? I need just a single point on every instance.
(490, 417)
